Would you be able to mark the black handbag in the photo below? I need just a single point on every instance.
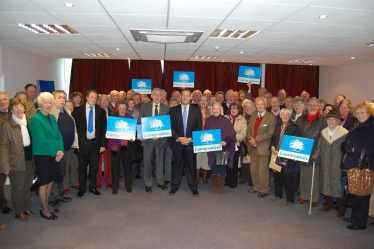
(281, 161)
(243, 149)
(222, 157)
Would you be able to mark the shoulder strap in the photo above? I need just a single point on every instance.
(359, 164)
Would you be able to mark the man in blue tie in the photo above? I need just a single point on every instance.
(91, 122)
(185, 118)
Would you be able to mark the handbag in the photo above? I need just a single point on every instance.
(243, 148)
(222, 157)
(282, 161)
(361, 178)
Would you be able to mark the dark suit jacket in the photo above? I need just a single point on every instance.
(146, 111)
(79, 114)
(194, 123)
(226, 109)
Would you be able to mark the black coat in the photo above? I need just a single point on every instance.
(359, 138)
(292, 130)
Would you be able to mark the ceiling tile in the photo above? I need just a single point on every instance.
(98, 30)
(81, 6)
(192, 23)
(140, 21)
(297, 27)
(143, 7)
(346, 4)
(19, 6)
(206, 8)
(36, 18)
(105, 38)
(244, 24)
(85, 19)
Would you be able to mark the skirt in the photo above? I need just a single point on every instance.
(47, 169)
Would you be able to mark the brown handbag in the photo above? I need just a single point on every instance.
(361, 178)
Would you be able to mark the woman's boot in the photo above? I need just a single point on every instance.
(215, 180)
(205, 176)
(198, 174)
(341, 209)
(221, 183)
(329, 205)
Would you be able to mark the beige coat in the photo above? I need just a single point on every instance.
(240, 127)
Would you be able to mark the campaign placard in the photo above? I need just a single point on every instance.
(249, 74)
(139, 132)
(207, 140)
(184, 79)
(121, 128)
(297, 148)
(156, 126)
(142, 86)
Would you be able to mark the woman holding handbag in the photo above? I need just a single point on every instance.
(284, 178)
(359, 149)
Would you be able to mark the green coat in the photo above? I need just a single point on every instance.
(46, 140)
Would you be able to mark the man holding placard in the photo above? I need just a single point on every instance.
(185, 118)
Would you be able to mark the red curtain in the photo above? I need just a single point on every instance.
(146, 70)
(82, 75)
(293, 79)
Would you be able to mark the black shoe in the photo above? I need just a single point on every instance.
(163, 187)
(52, 217)
(115, 191)
(80, 193)
(65, 199)
(173, 191)
(148, 189)
(95, 191)
(167, 182)
(352, 227)
(54, 211)
(138, 177)
(128, 190)
(242, 181)
(54, 204)
(195, 192)
(347, 220)
(6, 210)
(233, 186)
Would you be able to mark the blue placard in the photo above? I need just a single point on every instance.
(46, 86)
(121, 128)
(249, 74)
(156, 126)
(142, 86)
(297, 148)
(207, 140)
(139, 132)
(184, 79)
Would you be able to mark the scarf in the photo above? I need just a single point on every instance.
(25, 133)
(311, 118)
(234, 117)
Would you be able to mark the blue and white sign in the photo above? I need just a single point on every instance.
(139, 132)
(142, 86)
(156, 126)
(184, 79)
(121, 128)
(207, 140)
(297, 148)
(249, 74)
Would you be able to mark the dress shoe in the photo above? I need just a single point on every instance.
(242, 181)
(29, 213)
(262, 195)
(114, 191)
(54, 211)
(128, 190)
(148, 189)
(76, 187)
(138, 177)
(22, 217)
(80, 193)
(52, 217)
(95, 191)
(195, 192)
(275, 198)
(163, 187)
(98, 186)
(167, 182)
(301, 201)
(135, 183)
(287, 203)
(314, 204)
(173, 191)
(352, 227)
(55, 203)
(6, 210)
(233, 186)
(65, 199)
(66, 191)
(347, 220)
(252, 190)
(2, 226)
(109, 186)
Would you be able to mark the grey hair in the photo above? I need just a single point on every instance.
(313, 98)
(298, 102)
(285, 111)
(156, 89)
(1, 93)
(45, 95)
(250, 103)
(216, 104)
(261, 98)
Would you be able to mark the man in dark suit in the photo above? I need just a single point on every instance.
(154, 146)
(184, 119)
(230, 97)
(31, 94)
(91, 121)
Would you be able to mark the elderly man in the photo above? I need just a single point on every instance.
(337, 99)
(310, 125)
(31, 94)
(260, 130)
(114, 97)
(261, 91)
(196, 95)
(66, 125)
(275, 108)
(268, 96)
(4, 104)
(220, 96)
(207, 93)
(230, 97)
(282, 97)
(305, 96)
(176, 95)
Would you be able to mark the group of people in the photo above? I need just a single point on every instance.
(63, 140)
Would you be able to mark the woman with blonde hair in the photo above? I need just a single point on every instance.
(30, 106)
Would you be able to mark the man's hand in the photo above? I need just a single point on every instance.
(184, 140)
(102, 149)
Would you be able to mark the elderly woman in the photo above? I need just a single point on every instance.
(299, 109)
(16, 158)
(47, 149)
(30, 106)
(284, 178)
(356, 140)
(119, 150)
(345, 107)
(240, 126)
(228, 137)
(131, 109)
(328, 155)
(77, 97)
(202, 167)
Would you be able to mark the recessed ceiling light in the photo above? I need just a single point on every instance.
(48, 28)
(117, 48)
(241, 52)
(323, 16)
(352, 58)
(98, 55)
(234, 33)
(69, 5)
(223, 60)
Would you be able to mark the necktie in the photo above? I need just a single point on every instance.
(185, 120)
(90, 120)
(156, 110)
(260, 116)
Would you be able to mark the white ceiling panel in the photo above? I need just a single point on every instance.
(37, 18)
(62, 37)
(347, 4)
(76, 43)
(364, 20)
(90, 49)
(205, 8)
(19, 6)
(26, 37)
(275, 36)
(109, 44)
(97, 30)
(342, 30)
(106, 38)
(193, 23)
(85, 19)
(81, 6)
(41, 43)
(297, 27)
(140, 21)
(244, 24)
(143, 7)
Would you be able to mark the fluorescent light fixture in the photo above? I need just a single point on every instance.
(323, 16)
(204, 57)
(69, 5)
(302, 61)
(166, 36)
(98, 55)
(235, 33)
(48, 28)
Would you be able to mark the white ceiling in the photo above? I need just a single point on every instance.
(291, 29)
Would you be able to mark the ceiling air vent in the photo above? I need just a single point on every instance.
(166, 36)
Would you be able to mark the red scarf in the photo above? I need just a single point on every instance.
(311, 118)
(234, 117)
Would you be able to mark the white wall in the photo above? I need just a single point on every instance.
(20, 68)
(354, 81)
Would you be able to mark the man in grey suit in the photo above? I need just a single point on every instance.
(154, 146)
